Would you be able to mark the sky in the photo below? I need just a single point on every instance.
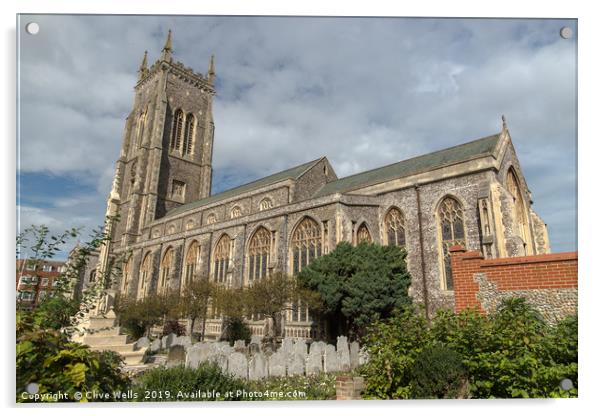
(363, 92)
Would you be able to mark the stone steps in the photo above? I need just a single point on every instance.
(121, 349)
(105, 340)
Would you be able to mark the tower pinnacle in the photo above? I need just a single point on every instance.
(166, 51)
(143, 66)
(211, 72)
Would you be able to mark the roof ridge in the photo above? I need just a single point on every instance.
(419, 156)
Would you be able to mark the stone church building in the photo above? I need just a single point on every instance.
(473, 194)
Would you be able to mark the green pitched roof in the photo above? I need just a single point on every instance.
(481, 147)
(292, 173)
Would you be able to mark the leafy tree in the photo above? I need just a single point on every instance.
(195, 302)
(358, 285)
(137, 317)
(270, 296)
(55, 311)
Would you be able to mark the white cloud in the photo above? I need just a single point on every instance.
(363, 92)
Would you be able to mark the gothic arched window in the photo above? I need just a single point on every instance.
(140, 132)
(518, 208)
(164, 270)
(93, 276)
(265, 203)
(145, 276)
(363, 235)
(126, 274)
(188, 135)
(176, 131)
(192, 258)
(211, 218)
(259, 254)
(221, 258)
(306, 244)
(236, 212)
(451, 224)
(395, 228)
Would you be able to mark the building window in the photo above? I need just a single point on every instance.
(236, 212)
(363, 235)
(192, 258)
(518, 207)
(29, 265)
(126, 274)
(145, 276)
(395, 228)
(44, 281)
(164, 270)
(189, 225)
(25, 280)
(26, 296)
(451, 224)
(259, 254)
(189, 135)
(178, 189)
(265, 203)
(306, 244)
(92, 276)
(221, 259)
(176, 131)
(140, 132)
(211, 218)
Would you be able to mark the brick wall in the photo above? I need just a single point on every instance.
(547, 281)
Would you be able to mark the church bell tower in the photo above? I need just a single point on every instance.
(166, 155)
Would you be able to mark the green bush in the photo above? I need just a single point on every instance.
(437, 373)
(510, 353)
(315, 387)
(183, 384)
(47, 357)
(236, 329)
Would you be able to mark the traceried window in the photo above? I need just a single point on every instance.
(306, 244)
(265, 203)
(145, 276)
(92, 276)
(395, 229)
(126, 274)
(188, 135)
(259, 254)
(211, 219)
(176, 131)
(221, 259)
(451, 224)
(164, 270)
(518, 205)
(192, 258)
(236, 212)
(363, 235)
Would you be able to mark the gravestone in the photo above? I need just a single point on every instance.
(343, 354)
(221, 361)
(256, 339)
(258, 367)
(331, 362)
(317, 347)
(277, 364)
(239, 346)
(142, 343)
(196, 354)
(168, 340)
(313, 364)
(155, 345)
(176, 356)
(183, 340)
(287, 346)
(300, 347)
(296, 364)
(363, 356)
(354, 354)
(238, 365)
(254, 348)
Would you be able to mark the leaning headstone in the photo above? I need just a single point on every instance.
(142, 343)
(343, 354)
(296, 364)
(184, 341)
(363, 356)
(354, 354)
(277, 364)
(167, 341)
(155, 345)
(300, 347)
(331, 362)
(258, 367)
(238, 365)
(176, 356)
(313, 365)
